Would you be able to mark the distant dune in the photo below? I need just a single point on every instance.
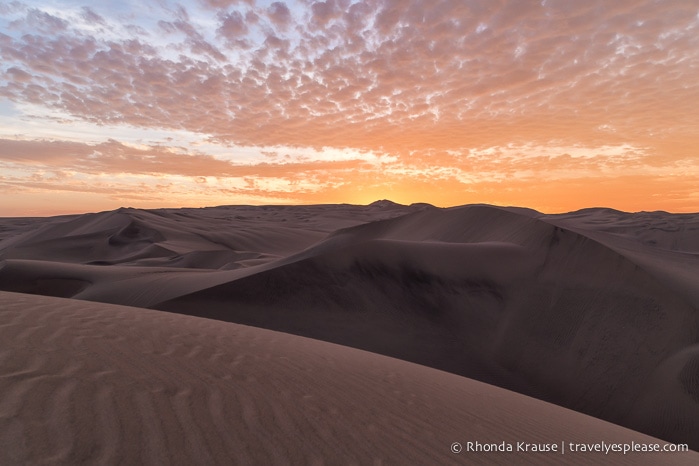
(595, 310)
(91, 383)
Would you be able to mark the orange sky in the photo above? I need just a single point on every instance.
(554, 105)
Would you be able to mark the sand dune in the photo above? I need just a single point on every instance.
(126, 236)
(89, 383)
(596, 310)
(486, 293)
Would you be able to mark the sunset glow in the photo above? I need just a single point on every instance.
(553, 104)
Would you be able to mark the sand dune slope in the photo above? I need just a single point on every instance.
(88, 383)
(666, 245)
(490, 294)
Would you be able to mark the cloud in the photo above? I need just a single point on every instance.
(114, 157)
(411, 79)
(92, 17)
(324, 12)
(421, 72)
(232, 26)
(18, 75)
(224, 4)
(41, 21)
(279, 14)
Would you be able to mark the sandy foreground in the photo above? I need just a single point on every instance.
(595, 310)
(92, 383)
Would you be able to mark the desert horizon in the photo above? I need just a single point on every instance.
(69, 213)
(587, 318)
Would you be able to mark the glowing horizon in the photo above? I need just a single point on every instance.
(552, 105)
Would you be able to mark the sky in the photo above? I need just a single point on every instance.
(555, 105)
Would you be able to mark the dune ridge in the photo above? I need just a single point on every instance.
(595, 310)
(93, 383)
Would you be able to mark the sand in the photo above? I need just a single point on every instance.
(596, 310)
(91, 383)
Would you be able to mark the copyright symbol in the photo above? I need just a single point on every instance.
(456, 447)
